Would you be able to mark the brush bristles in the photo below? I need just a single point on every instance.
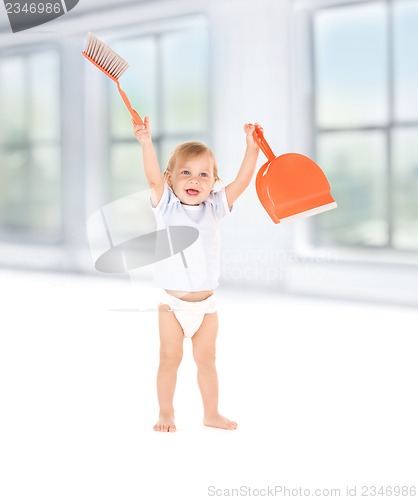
(105, 57)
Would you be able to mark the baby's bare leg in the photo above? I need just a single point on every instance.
(204, 353)
(171, 353)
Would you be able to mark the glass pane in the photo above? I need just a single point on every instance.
(13, 190)
(45, 191)
(184, 81)
(126, 169)
(350, 65)
(13, 113)
(355, 165)
(167, 147)
(139, 82)
(406, 61)
(44, 96)
(405, 188)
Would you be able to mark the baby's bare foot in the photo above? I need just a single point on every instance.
(165, 424)
(220, 422)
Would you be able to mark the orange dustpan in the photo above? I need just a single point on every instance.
(291, 186)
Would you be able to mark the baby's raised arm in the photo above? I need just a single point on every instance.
(246, 171)
(152, 170)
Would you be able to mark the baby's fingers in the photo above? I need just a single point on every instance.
(135, 124)
(138, 127)
(248, 127)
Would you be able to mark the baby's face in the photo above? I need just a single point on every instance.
(192, 180)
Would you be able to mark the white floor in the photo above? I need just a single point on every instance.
(325, 394)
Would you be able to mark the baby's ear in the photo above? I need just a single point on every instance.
(167, 177)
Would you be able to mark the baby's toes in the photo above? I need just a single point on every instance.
(231, 425)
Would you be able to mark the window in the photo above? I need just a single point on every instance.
(30, 190)
(168, 81)
(366, 122)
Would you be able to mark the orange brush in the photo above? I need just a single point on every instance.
(112, 65)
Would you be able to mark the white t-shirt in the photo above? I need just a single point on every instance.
(197, 266)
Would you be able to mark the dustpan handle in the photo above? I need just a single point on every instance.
(265, 148)
(137, 119)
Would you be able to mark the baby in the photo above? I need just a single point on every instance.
(184, 196)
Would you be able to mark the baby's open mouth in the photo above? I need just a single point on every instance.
(192, 192)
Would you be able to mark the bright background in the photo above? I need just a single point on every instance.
(317, 343)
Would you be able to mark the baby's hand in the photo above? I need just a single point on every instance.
(143, 132)
(249, 130)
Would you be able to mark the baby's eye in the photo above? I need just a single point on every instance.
(185, 172)
(204, 174)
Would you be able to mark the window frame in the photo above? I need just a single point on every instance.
(27, 145)
(302, 48)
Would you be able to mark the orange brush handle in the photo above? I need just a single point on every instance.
(265, 148)
(136, 118)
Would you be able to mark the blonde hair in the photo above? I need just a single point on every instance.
(188, 150)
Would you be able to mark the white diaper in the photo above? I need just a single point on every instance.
(189, 314)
